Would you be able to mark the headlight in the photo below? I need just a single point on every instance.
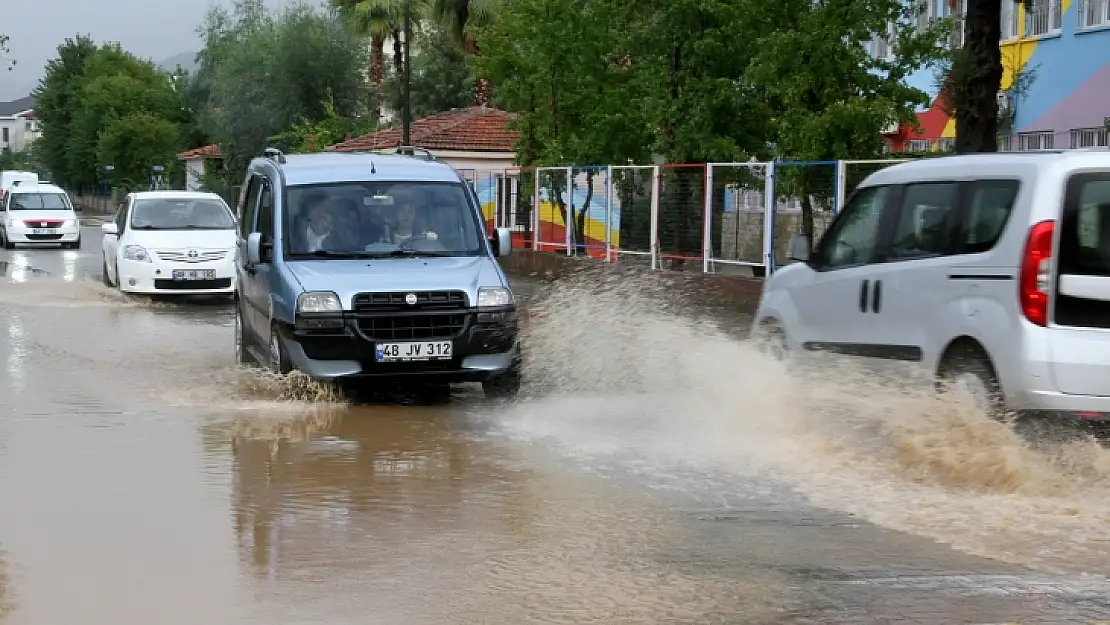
(136, 253)
(318, 302)
(69, 223)
(494, 297)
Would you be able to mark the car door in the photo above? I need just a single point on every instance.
(110, 244)
(834, 301)
(247, 275)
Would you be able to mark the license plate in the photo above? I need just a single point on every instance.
(41, 231)
(194, 274)
(414, 351)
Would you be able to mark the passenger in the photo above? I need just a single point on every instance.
(316, 234)
(404, 227)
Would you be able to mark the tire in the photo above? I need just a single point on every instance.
(503, 386)
(970, 370)
(104, 273)
(242, 354)
(770, 340)
(8, 245)
(279, 359)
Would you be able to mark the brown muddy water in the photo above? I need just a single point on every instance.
(655, 471)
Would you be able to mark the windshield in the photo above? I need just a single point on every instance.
(181, 214)
(365, 219)
(38, 202)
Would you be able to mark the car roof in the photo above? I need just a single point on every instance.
(325, 167)
(176, 195)
(35, 188)
(989, 164)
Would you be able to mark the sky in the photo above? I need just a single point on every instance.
(154, 29)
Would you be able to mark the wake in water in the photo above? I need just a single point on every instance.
(622, 371)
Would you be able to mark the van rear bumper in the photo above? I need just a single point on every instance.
(1088, 407)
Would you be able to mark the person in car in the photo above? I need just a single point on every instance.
(404, 227)
(316, 232)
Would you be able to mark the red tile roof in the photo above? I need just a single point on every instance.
(473, 129)
(207, 151)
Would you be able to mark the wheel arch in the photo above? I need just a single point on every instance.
(964, 345)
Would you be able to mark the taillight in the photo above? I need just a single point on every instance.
(1036, 273)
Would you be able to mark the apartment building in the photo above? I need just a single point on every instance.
(1056, 83)
(18, 126)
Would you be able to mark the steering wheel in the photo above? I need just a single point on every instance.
(417, 238)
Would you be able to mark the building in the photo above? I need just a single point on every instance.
(18, 125)
(196, 160)
(1056, 84)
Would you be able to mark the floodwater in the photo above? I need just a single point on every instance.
(655, 471)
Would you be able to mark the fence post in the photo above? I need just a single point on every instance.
(653, 249)
(841, 186)
(569, 219)
(609, 214)
(707, 226)
(536, 210)
(769, 203)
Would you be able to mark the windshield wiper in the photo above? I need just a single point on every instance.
(407, 252)
(330, 254)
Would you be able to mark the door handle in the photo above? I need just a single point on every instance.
(863, 295)
(877, 297)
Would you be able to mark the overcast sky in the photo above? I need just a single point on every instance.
(154, 29)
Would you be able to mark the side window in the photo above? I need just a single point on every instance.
(247, 205)
(1085, 227)
(266, 211)
(988, 212)
(926, 220)
(852, 239)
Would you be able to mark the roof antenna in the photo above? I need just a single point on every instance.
(372, 170)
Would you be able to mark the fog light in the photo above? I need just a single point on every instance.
(494, 317)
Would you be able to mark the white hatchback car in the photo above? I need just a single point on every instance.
(38, 213)
(988, 271)
(171, 243)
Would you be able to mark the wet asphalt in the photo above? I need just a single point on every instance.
(144, 479)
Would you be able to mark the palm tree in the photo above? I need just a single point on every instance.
(378, 20)
(457, 17)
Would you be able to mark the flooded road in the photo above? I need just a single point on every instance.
(654, 472)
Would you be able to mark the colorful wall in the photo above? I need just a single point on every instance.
(1070, 87)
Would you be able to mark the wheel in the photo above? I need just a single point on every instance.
(503, 386)
(104, 273)
(279, 360)
(75, 245)
(242, 354)
(8, 245)
(969, 370)
(770, 340)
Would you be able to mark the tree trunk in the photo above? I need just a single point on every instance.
(377, 57)
(580, 221)
(977, 119)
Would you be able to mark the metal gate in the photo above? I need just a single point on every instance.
(632, 214)
(551, 203)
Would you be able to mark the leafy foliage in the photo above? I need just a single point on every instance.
(262, 73)
(308, 136)
(4, 60)
(440, 78)
(136, 141)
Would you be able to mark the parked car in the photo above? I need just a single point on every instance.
(13, 176)
(38, 213)
(170, 243)
(372, 266)
(988, 272)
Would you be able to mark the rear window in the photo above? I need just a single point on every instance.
(38, 201)
(1085, 251)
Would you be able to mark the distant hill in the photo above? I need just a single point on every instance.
(185, 60)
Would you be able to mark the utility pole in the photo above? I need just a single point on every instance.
(406, 106)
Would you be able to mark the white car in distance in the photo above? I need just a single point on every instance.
(171, 243)
(38, 213)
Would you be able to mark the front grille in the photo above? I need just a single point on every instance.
(192, 285)
(425, 301)
(43, 223)
(182, 256)
(43, 237)
(412, 327)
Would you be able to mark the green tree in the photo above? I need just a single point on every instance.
(308, 136)
(827, 96)
(135, 142)
(56, 101)
(441, 79)
(462, 19)
(261, 73)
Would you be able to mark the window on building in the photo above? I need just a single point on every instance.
(881, 45)
(5, 137)
(1093, 13)
(946, 145)
(1041, 140)
(1009, 21)
(919, 145)
(959, 11)
(1088, 137)
(1042, 17)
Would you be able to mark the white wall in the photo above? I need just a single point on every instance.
(21, 132)
(480, 163)
(194, 172)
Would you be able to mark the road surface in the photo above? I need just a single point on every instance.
(655, 472)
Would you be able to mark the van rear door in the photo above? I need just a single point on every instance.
(1079, 341)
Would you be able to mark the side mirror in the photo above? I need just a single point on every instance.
(502, 242)
(798, 248)
(110, 228)
(254, 248)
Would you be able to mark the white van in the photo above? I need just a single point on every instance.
(988, 271)
(38, 213)
(10, 177)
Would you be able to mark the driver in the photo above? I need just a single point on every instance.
(405, 222)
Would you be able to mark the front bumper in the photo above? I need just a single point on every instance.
(156, 278)
(20, 234)
(486, 346)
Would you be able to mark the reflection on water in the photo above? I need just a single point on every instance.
(17, 353)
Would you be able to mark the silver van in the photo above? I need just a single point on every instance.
(990, 272)
(366, 266)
